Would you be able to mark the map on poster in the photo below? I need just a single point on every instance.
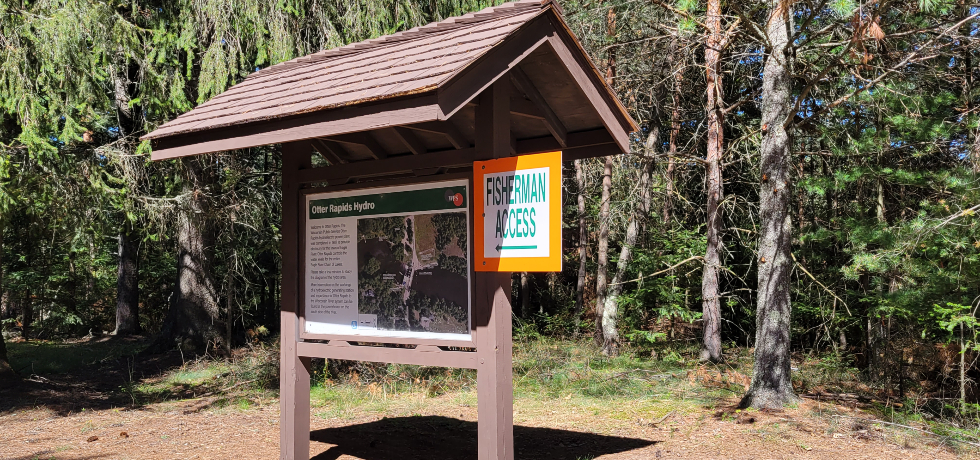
(389, 262)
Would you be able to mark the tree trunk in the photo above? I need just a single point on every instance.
(525, 295)
(192, 322)
(6, 371)
(603, 253)
(611, 52)
(27, 320)
(583, 244)
(127, 286)
(711, 303)
(962, 371)
(675, 130)
(880, 208)
(772, 386)
(967, 61)
(230, 292)
(610, 310)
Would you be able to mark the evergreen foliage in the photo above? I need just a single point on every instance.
(884, 168)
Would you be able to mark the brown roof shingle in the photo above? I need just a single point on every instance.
(410, 62)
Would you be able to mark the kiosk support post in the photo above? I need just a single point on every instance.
(294, 373)
(494, 375)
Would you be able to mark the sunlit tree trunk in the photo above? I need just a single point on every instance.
(962, 371)
(5, 370)
(583, 243)
(772, 386)
(966, 61)
(675, 130)
(603, 249)
(711, 303)
(602, 282)
(610, 309)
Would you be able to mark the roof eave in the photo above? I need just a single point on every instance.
(417, 108)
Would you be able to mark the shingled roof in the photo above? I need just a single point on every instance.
(423, 60)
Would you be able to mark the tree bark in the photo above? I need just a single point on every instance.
(27, 318)
(711, 303)
(192, 322)
(772, 386)
(962, 371)
(610, 310)
(230, 292)
(6, 371)
(603, 252)
(525, 295)
(583, 244)
(611, 52)
(127, 285)
(675, 130)
(967, 61)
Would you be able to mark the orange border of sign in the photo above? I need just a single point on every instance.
(519, 264)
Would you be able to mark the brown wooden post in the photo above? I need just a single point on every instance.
(491, 302)
(494, 371)
(294, 371)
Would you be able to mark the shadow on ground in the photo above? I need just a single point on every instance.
(72, 377)
(450, 439)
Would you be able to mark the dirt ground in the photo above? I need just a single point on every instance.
(87, 414)
(183, 430)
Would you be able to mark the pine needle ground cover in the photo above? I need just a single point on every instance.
(571, 402)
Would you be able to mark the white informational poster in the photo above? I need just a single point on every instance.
(389, 262)
(518, 213)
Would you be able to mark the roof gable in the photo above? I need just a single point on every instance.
(434, 73)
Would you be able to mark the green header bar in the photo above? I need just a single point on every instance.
(433, 199)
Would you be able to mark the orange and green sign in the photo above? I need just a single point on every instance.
(518, 213)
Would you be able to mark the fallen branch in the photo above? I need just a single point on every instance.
(672, 267)
(798, 264)
(872, 420)
(226, 388)
(662, 419)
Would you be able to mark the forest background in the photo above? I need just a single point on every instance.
(840, 173)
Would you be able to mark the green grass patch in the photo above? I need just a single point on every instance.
(56, 357)
(546, 371)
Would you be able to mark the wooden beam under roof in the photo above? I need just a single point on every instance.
(525, 108)
(330, 150)
(414, 144)
(550, 119)
(582, 144)
(363, 138)
(446, 128)
(520, 107)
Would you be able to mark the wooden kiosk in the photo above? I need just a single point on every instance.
(409, 112)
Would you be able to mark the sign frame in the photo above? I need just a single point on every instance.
(551, 263)
(303, 197)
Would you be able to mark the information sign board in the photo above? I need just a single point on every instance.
(389, 262)
(518, 213)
